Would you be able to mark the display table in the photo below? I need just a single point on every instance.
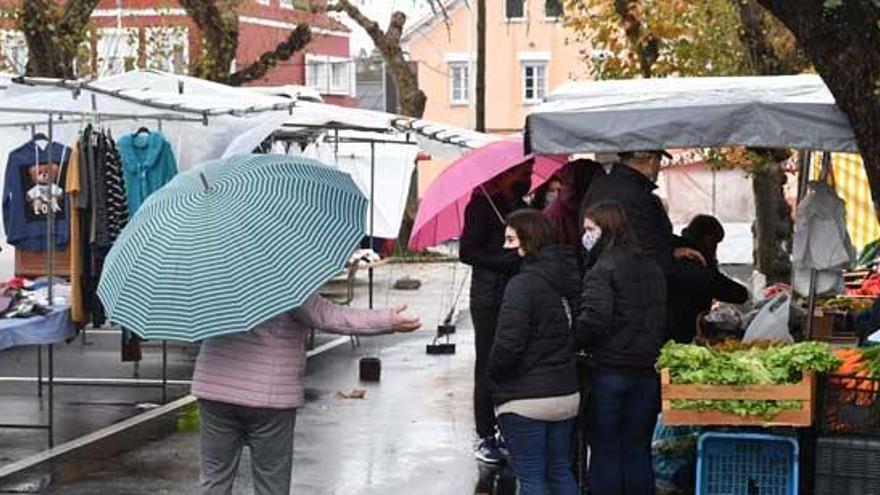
(47, 330)
(53, 328)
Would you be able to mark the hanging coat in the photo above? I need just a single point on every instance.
(147, 164)
(821, 241)
(34, 182)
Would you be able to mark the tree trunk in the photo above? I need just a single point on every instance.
(53, 34)
(481, 66)
(773, 223)
(412, 99)
(646, 47)
(843, 43)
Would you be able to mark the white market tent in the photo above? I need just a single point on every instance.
(642, 114)
(205, 120)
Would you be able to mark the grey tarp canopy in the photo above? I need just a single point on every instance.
(641, 114)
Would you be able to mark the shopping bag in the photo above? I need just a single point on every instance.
(771, 322)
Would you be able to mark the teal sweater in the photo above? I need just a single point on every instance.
(147, 164)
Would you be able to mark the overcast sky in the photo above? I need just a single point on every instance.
(380, 11)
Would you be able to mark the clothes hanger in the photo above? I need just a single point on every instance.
(142, 130)
(39, 136)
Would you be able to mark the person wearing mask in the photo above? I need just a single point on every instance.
(564, 212)
(547, 193)
(621, 324)
(532, 363)
(249, 386)
(482, 247)
(695, 285)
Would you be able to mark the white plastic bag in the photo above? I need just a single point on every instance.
(771, 322)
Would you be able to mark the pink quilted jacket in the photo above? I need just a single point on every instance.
(265, 367)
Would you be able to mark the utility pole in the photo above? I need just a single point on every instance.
(481, 66)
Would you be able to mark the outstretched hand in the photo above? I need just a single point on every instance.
(690, 253)
(403, 323)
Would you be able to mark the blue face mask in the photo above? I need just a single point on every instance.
(591, 238)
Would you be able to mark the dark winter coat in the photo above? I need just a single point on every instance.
(622, 317)
(533, 354)
(482, 247)
(692, 288)
(643, 208)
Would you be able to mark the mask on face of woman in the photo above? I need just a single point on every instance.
(591, 238)
(550, 197)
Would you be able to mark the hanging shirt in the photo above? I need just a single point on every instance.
(111, 204)
(147, 163)
(33, 184)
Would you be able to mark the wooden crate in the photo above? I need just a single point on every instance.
(805, 392)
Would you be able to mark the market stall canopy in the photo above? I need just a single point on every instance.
(642, 114)
(202, 119)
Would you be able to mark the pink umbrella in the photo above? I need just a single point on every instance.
(441, 212)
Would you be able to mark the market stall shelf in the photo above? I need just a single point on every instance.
(804, 392)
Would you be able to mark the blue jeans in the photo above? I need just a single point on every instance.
(622, 413)
(540, 454)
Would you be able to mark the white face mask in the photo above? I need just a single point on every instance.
(550, 197)
(591, 238)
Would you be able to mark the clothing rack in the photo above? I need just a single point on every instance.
(49, 381)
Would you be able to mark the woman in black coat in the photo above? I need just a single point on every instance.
(532, 362)
(621, 323)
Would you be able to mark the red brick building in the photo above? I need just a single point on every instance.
(158, 34)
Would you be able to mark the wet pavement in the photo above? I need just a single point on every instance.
(412, 433)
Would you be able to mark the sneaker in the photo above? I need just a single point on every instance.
(489, 451)
(502, 445)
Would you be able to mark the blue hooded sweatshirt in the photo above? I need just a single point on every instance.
(147, 165)
(34, 182)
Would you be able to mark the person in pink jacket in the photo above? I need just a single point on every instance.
(250, 384)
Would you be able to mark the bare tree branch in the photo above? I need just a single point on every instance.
(298, 39)
(220, 30)
(412, 99)
(77, 14)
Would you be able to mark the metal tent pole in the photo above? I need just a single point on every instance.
(372, 211)
(50, 256)
(164, 371)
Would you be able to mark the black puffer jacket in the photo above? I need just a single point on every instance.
(692, 288)
(533, 354)
(643, 208)
(622, 317)
(482, 247)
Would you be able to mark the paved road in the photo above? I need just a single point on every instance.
(413, 433)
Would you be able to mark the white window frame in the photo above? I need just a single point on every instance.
(517, 19)
(322, 71)
(539, 91)
(286, 4)
(14, 50)
(170, 37)
(464, 90)
(119, 51)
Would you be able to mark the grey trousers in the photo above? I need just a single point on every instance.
(224, 431)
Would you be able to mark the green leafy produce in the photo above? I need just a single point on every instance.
(871, 358)
(774, 365)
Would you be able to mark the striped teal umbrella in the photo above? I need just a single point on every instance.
(230, 244)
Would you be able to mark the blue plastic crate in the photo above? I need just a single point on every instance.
(746, 464)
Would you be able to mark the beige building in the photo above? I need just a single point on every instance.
(529, 53)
